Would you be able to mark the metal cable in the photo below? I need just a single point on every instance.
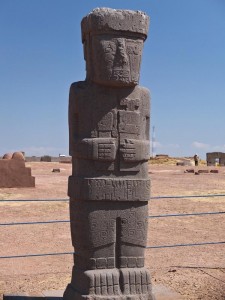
(150, 217)
(35, 223)
(185, 245)
(35, 200)
(188, 214)
(148, 247)
(188, 196)
(36, 255)
(153, 198)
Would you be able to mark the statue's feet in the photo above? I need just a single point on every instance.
(110, 284)
(94, 284)
(104, 282)
(136, 281)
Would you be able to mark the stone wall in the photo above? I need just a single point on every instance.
(214, 158)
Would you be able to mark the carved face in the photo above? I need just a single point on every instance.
(116, 60)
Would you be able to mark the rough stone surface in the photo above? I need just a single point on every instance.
(13, 172)
(214, 171)
(189, 171)
(109, 187)
(203, 171)
(108, 20)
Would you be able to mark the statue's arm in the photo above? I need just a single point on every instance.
(103, 149)
(137, 150)
(73, 120)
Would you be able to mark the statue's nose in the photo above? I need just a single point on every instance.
(121, 52)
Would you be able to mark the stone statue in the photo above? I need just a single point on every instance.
(109, 143)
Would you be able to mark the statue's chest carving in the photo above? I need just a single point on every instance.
(118, 120)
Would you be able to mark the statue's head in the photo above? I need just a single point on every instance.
(113, 42)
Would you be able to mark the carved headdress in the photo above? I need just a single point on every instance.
(108, 20)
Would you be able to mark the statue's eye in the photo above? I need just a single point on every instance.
(134, 48)
(129, 49)
(108, 47)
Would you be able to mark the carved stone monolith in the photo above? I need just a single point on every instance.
(109, 143)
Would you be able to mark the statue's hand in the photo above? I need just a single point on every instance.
(101, 149)
(132, 150)
(104, 149)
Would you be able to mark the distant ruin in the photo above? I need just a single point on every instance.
(59, 159)
(215, 158)
(13, 172)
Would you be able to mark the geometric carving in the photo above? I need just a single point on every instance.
(134, 150)
(104, 219)
(102, 189)
(130, 104)
(106, 123)
(104, 149)
(129, 122)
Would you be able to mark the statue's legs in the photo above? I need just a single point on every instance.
(109, 241)
(134, 277)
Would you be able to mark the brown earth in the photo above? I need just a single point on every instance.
(195, 272)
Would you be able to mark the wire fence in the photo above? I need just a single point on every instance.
(200, 214)
(148, 247)
(150, 217)
(152, 198)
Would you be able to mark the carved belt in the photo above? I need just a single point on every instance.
(109, 189)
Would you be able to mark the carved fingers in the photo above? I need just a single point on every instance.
(102, 149)
(134, 150)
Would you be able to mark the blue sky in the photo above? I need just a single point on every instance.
(183, 66)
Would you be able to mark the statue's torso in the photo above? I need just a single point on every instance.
(109, 134)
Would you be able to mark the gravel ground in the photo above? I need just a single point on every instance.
(194, 272)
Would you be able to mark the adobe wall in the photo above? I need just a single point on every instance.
(13, 173)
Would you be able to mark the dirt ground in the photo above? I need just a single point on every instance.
(194, 272)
